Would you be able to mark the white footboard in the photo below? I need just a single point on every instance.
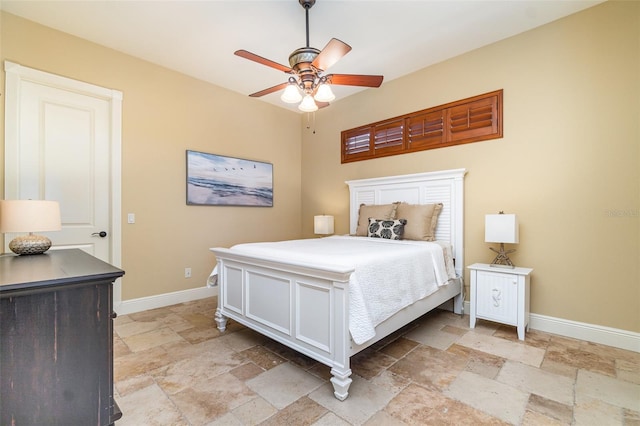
(306, 308)
(301, 307)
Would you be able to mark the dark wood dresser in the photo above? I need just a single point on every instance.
(56, 339)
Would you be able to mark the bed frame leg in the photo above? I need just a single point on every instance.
(458, 304)
(341, 382)
(221, 320)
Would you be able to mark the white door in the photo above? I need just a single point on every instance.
(62, 143)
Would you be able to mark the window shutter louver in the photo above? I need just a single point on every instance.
(356, 144)
(388, 136)
(424, 130)
(469, 120)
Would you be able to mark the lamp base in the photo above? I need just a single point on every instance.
(502, 259)
(30, 244)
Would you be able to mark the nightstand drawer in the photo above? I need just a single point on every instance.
(497, 297)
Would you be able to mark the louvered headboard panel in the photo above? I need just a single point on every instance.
(446, 187)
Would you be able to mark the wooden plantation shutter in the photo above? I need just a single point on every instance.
(425, 130)
(473, 120)
(468, 120)
(356, 144)
(388, 137)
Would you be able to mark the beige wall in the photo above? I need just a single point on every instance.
(569, 157)
(165, 113)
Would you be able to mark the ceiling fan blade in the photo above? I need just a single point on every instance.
(259, 59)
(355, 80)
(269, 90)
(332, 52)
(322, 104)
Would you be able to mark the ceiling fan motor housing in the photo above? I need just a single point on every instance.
(300, 61)
(302, 58)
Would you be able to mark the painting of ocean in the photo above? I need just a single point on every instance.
(227, 181)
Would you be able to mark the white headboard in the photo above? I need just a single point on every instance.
(446, 187)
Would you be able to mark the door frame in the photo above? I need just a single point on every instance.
(15, 74)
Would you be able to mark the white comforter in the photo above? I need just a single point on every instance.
(389, 274)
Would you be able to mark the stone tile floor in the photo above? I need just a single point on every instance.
(173, 367)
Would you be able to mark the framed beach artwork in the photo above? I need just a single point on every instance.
(216, 180)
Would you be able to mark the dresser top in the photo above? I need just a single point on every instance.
(53, 268)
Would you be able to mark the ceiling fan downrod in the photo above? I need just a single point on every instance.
(300, 59)
(307, 4)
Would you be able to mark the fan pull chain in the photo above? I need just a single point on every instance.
(309, 121)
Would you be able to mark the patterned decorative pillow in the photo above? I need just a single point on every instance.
(388, 229)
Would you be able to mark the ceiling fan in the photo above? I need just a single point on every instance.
(307, 67)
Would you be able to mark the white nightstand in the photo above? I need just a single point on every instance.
(501, 295)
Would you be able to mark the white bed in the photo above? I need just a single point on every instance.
(306, 304)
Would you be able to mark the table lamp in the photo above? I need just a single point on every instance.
(323, 224)
(29, 216)
(501, 228)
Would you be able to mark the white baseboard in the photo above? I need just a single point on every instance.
(615, 337)
(161, 300)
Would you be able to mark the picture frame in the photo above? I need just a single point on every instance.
(218, 180)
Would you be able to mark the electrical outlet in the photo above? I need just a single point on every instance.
(187, 272)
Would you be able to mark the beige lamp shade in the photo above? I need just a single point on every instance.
(29, 216)
(501, 228)
(323, 224)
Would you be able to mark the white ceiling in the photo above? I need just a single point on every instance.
(392, 38)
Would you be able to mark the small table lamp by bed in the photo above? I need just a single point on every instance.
(323, 224)
(29, 216)
(501, 228)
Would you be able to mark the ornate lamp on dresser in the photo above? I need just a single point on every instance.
(56, 339)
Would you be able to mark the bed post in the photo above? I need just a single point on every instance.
(458, 236)
(458, 301)
(221, 320)
(340, 369)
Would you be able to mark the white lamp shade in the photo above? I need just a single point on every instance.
(323, 224)
(29, 216)
(324, 93)
(291, 95)
(501, 228)
(308, 104)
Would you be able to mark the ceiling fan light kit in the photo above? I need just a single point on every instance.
(308, 104)
(291, 94)
(306, 67)
(324, 93)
